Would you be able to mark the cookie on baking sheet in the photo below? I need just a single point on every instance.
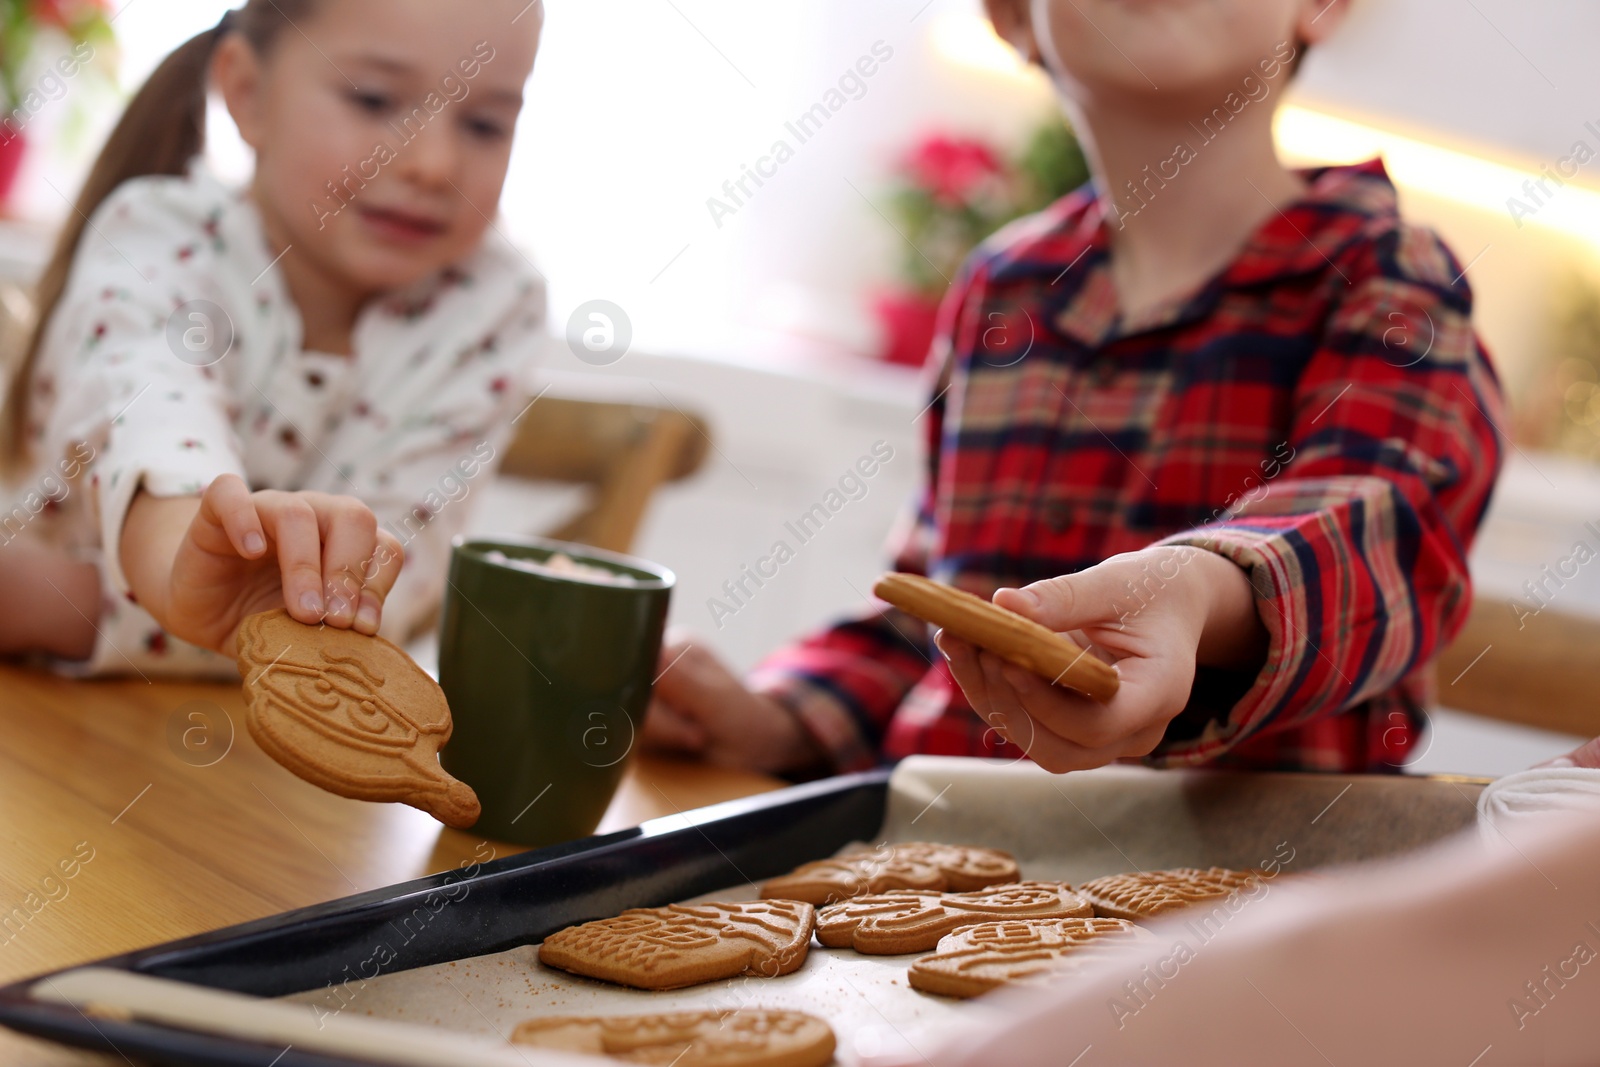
(742, 1037)
(686, 944)
(1008, 635)
(351, 713)
(894, 923)
(917, 865)
(972, 961)
(1145, 894)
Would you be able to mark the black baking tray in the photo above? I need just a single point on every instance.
(509, 902)
(521, 899)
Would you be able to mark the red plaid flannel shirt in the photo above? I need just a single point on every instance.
(1321, 413)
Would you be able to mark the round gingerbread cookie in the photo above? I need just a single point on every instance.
(1008, 635)
(975, 960)
(915, 865)
(686, 944)
(1145, 894)
(895, 923)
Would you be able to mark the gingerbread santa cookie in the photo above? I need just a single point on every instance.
(350, 713)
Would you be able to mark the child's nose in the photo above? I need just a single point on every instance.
(429, 159)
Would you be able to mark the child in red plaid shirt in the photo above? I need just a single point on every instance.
(1225, 423)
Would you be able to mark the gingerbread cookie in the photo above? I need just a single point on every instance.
(351, 713)
(686, 944)
(1005, 633)
(942, 868)
(1150, 893)
(975, 960)
(744, 1037)
(895, 923)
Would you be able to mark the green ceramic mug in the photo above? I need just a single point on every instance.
(547, 654)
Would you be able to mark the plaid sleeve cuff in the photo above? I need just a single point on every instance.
(1297, 678)
(826, 719)
(845, 683)
(1358, 579)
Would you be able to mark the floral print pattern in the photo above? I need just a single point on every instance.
(443, 363)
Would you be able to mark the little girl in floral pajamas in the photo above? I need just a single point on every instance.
(242, 399)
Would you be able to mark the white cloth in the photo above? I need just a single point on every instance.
(406, 423)
(1530, 799)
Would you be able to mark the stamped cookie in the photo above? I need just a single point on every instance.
(941, 868)
(743, 1037)
(350, 713)
(895, 923)
(973, 961)
(1150, 893)
(1005, 633)
(686, 944)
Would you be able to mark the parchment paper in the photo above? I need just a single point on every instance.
(1070, 827)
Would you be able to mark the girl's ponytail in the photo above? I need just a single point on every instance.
(162, 129)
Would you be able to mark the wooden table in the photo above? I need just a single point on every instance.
(167, 837)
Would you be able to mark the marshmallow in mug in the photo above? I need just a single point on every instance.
(561, 565)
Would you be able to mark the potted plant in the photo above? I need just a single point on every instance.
(44, 44)
(952, 192)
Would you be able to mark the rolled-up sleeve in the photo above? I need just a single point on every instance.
(128, 356)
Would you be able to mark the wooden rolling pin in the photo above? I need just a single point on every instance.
(1005, 633)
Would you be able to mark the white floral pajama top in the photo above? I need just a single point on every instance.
(140, 386)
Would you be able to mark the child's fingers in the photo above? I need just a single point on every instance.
(1034, 732)
(1585, 755)
(963, 659)
(1058, 755)
(291, 522)
(379, 576)
(667, 730)
(1043, 720)
(1093, 595)
(1132, 724)
(681, 670)
(226, 503)
(1002, 709)
(349, 539)
(1082, 721)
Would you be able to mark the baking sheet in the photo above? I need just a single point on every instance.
(1070, 828)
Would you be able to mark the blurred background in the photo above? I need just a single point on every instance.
(789, 319)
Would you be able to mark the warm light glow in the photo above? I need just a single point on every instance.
(1306, 136)
(970, 41)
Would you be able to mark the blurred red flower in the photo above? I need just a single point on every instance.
(67, 13)
(952, 168)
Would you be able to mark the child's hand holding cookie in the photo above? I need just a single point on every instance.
(234, 552)
(1159, 612)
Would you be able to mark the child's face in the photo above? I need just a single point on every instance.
(382, 130)
(1165, 52)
